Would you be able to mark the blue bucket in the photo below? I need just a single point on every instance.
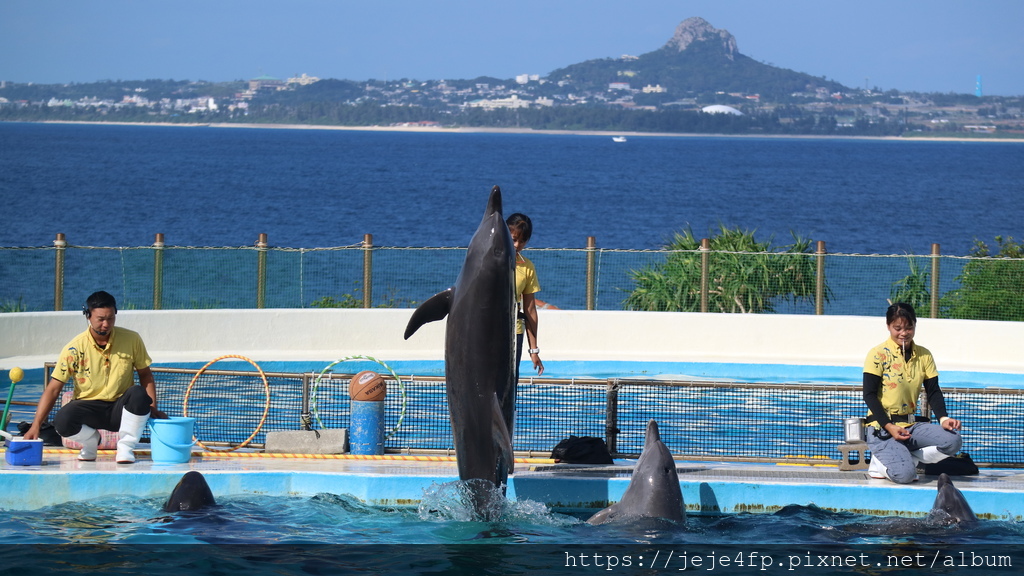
(171, 439)
(366, 434)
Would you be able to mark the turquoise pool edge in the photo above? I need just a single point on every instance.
(708, 488)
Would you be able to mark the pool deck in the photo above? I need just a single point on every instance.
(400, 480)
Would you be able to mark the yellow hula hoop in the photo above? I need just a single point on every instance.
(266, 405)
(316, 385)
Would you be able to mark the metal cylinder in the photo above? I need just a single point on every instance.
(853, 430)
(366, 433)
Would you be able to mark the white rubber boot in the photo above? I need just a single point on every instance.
(928, 455)
(877, 470)
(89, 438)
(130, 433)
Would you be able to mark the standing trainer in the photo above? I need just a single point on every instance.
(101, 362)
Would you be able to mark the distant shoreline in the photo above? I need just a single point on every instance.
(485, 130)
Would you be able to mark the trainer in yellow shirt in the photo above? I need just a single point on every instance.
(101, 364)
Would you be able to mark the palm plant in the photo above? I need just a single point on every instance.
(744, 275)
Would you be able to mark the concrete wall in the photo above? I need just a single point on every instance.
(30, 338)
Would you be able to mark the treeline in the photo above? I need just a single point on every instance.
(582, 118)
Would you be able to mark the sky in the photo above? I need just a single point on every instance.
(907, 45)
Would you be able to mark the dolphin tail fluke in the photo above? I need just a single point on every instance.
(435, 308)
(502, 440)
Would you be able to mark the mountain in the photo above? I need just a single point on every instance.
(698, 59)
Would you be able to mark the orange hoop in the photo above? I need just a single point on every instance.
(266, 405)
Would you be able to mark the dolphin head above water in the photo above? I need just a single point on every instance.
(950, 505)
(653, 490)
(192, 493)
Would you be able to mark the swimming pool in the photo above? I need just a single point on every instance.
(337, 534)
(334, 532)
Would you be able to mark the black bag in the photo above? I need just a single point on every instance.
(582, 450)
(959, 465)
(47, 433)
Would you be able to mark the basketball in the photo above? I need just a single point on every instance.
(367, 386)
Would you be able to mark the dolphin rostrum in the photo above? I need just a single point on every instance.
(479, 350)
(192, 493)
(950, 505)
(653, 491)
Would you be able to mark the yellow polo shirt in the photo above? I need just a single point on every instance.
(102, 373)
(901, 379)
(526, 283)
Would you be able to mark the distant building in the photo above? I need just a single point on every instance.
(303, 80)
(658, 89)
(266, 83)
(721, 109)
(618, 86)
(513, 102)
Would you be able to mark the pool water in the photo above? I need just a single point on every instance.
(335, 534)
(444, 517)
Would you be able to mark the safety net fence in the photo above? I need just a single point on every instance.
(726, 421)
(172, 277)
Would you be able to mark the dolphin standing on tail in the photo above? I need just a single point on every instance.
(479, 352)
(950, 505)
(653, 491)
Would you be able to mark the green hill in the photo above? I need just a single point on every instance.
(698, 59)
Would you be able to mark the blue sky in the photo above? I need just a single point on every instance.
(923, 45)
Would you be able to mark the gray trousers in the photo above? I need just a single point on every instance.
(895, 455)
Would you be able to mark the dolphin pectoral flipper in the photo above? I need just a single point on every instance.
(604, 516)
(435, 308)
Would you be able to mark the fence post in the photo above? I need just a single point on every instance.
(705, 266)
(367, 270)
(935, 280)
(58, 273)
(158, 272)
(261, 271)
(819, 287)
(305, 418)
(611, 415)
(591, 271)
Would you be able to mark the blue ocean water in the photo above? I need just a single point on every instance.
(113, 185)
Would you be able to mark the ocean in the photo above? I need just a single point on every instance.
(116, 185)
